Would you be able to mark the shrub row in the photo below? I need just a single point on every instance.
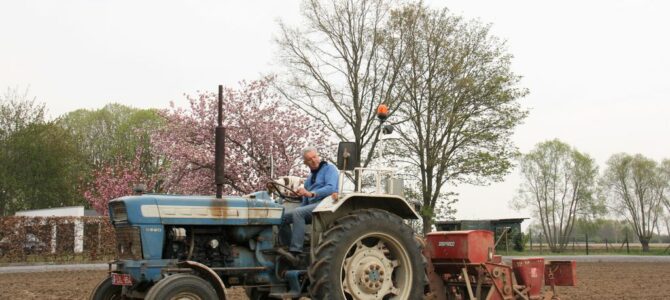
(32, 238)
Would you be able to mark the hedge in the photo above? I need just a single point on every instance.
(25, 239)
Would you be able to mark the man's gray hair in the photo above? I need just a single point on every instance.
(309, 149)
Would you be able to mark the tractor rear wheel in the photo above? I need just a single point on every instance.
(367, 254)
(105, 290)
(181, 286)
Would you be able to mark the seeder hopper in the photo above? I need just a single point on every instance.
(463, 265)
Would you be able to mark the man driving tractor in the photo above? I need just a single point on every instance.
(321, 182)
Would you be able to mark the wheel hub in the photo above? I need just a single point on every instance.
(368, 272)
(371, 276)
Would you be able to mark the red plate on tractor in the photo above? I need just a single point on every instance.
(121, 279)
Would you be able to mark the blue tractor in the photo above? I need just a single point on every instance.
(196, 247)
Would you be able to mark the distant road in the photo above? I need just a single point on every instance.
(578, 258)
(47, 268)
(602, 258)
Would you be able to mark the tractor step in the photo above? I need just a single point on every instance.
(296, 282)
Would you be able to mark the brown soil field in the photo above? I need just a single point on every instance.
(602, 280)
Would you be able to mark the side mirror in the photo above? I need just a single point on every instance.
(347, 156)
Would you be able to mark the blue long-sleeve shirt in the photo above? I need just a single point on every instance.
(325, 183)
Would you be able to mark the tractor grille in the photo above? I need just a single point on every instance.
(128, 243)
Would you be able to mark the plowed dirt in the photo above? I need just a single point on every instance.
(595, 281)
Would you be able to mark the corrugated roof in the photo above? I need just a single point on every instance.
(482, 220)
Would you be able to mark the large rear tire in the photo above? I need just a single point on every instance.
(367, 254)
(106, 291)
(182, 286)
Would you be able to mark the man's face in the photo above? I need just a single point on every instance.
(311, 160)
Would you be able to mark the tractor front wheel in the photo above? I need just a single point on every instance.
(367, 254)
(105, 290)
(181, 286)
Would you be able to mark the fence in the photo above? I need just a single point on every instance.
(24, 239)
(583, 245)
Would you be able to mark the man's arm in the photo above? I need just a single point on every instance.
(304, 191)
(331, 177)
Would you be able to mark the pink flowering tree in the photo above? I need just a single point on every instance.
(116, 180)
(264, 137)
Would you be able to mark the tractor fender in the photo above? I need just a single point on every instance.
(208, 274)
(354, 201)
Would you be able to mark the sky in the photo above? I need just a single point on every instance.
(597, 71)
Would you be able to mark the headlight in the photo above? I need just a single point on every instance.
(119, 213)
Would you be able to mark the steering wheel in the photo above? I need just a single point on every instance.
(273, 186)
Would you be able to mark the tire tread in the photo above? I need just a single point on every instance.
(319, 270)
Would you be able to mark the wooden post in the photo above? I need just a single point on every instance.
(587, 244)
(507, 242)
(627, 247)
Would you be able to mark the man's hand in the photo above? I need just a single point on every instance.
(305, 193)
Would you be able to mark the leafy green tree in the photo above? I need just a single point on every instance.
(665, 176)
(665, 219)
(599, 230)
(443, 211)
(457, 101)
(42, 167)
(588, 226)
(17, 111)
(519, 240)
(115, 132)
(558, 183)
(634, 186)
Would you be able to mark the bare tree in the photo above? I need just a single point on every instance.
(458, 102)
(337, 69)
(559, 185)
(634, 186)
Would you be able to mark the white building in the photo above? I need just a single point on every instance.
(71, 211)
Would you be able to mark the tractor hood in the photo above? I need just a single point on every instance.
(253, 209)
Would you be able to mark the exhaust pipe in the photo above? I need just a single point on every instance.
(219, 149)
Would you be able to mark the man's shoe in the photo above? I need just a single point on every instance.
(293, 259)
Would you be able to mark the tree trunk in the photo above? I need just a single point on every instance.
(427, 224)
(645, 244)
